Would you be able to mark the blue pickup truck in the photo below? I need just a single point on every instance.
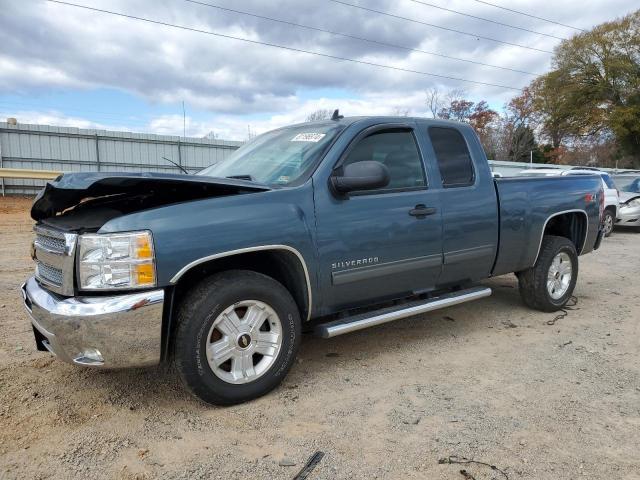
(326, 227)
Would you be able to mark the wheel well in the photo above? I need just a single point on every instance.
(613, 209)
(282, 265)
(571, 225)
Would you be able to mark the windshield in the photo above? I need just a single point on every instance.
(609, 181)
(628, 184)
(279, 157)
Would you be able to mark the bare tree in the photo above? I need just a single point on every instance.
(440, 104)
(434, 101)
(400, 112)
(320, 114)
(455, 95)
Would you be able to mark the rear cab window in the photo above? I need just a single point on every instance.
(452, 156)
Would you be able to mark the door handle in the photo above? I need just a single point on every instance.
(421, 211)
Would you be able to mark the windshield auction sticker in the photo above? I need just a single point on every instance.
(308, 137)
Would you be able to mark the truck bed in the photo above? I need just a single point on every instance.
(525, 205)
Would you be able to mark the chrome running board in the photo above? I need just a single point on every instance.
(389, 314)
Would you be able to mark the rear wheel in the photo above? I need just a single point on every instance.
(607, 222)
(549, 284)
(237, 336)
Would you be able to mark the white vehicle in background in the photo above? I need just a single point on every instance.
(541, 172)
(611, 194)
(629, 215)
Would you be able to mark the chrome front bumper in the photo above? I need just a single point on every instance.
(628, 217)
(100, 331)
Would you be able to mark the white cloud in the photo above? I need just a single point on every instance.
(48, 47)
(57, 118)
(236, 128)
(231, 127)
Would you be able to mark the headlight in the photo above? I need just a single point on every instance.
(116, 261)
(633, 203)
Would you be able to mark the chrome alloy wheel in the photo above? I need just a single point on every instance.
(608, 224)
(244, 341)
(559, 276)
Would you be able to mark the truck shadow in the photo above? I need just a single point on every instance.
(625, 231)
(160, 386)
(440, 325)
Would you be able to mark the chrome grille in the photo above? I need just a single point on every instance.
(54, 252)
(51, 243)
(50, 274)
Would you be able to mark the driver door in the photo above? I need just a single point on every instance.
(379, 244)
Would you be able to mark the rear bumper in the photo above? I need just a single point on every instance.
(100, 331)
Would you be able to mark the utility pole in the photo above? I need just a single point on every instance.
(1, 179)
(184, 121)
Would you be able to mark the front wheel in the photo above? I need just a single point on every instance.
(237, 337)
(549, 284)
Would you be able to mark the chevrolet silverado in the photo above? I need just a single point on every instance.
(327, 227)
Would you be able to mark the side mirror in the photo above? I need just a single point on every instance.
(366, 175)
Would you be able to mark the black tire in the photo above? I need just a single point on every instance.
(608, 222)
(533, 281)
(195, 317)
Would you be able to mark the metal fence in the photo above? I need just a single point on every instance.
(84, 150)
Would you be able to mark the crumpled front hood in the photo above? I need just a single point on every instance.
(626, 196)
(71, 189)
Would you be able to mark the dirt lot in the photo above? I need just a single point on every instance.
(488, 380)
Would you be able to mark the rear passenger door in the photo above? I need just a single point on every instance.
(468, 201)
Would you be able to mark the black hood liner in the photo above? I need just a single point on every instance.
(69, 190)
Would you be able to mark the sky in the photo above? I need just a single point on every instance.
(66, 66)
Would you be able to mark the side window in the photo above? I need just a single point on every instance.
(452, 154)
(397, 150)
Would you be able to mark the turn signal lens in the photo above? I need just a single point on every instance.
(601, 204)
(144, 249)
(145, 274)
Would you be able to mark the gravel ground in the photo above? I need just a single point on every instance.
(488, 380)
